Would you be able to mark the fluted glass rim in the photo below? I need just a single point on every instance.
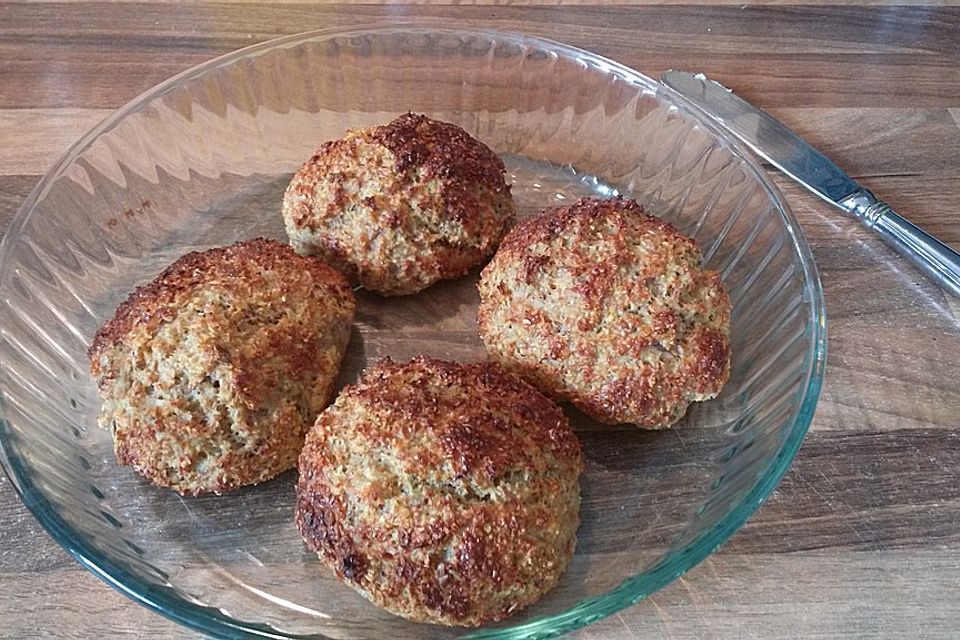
(166, 601)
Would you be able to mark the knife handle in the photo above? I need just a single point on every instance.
(939, 261)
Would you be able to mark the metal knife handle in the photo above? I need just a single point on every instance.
(938, 260)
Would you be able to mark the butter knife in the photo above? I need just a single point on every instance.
(773, 141)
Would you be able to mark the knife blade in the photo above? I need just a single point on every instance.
(783, 148)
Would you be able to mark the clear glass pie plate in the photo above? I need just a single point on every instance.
(202, 160)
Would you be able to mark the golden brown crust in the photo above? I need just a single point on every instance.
(149, 303)
(211, 374)
(443, 151)
(607, 307)
(400, 206)
(444, 493)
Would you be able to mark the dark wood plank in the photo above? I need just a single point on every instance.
(862, 491)
(40, 136)
(879, 141)
(866, 141)
(13, 191)
(91, 56)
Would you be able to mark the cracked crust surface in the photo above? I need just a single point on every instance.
(211, 374)
(401, 206)
(604, 306)
(442, 492)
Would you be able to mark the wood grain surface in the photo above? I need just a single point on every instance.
(862, 538)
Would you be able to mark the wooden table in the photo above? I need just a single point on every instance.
(862, 538)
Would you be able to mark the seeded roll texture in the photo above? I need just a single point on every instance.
(400, 206)
(442, 492)
(602, 305)
(211, 374)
